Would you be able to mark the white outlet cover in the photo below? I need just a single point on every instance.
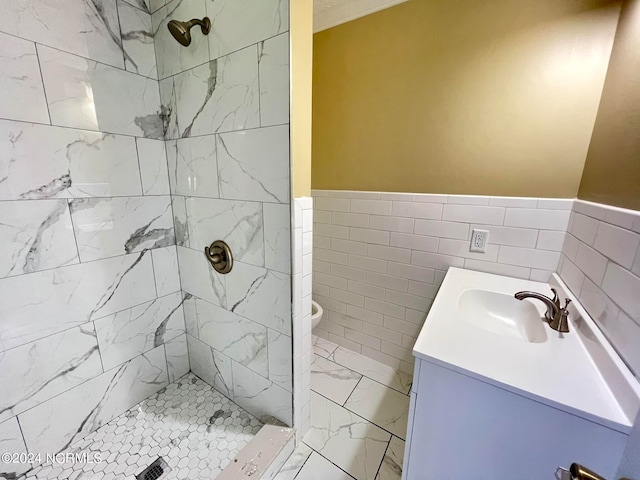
(479, 240)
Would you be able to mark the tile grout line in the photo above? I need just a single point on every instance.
(334, 464)
(357, 414)
(44, 90)
(351, 393)
(112, 256)
(75, 239)
(24, 441)
(372, 379)
(95, 329)
(138, 8)
(140, 166)
(305, 461)
(99, 62)
(259, 54)
(241, 316)
(89, 321)
(153, 270)
(106, 132)
(383, 457)
(124, 54)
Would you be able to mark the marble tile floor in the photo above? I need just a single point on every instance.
(194, 428)
(359, 410)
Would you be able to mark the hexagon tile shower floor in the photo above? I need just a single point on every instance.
(195, 429)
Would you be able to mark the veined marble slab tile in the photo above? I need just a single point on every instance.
(259, 20)
(169, 109)
(38, 371)
(193, 169)
(20, 81)
(177, 357)
(106, 227)
(381, 405)
(143, 5)
(319, 468)
(172, 57)
(200, 279)
(260, 396)
(36, 235)
(153, 166)
(295, 462)
(280, 360)
(156, 4)
(86, 28)
(277, 237)
(389, 376)
(54, 425)
(165, 269)
(42, 162)
(219, 96)
(190, 314)
(211, 366)
(132, 332)
(352, 443)
(273, 65)
(391, 468)
(137, 40)
(179, 207)
(11, 442)
(43, 303)
(238, 338)
(240, 224)
(261, 295)
(332, 380)
(323, 347)
(93, 96)
(254, 165)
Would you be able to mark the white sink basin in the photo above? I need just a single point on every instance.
(476, 327)
(503, 315)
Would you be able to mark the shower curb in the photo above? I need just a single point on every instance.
(263, 457)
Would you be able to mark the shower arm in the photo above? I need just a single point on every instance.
(204, 26)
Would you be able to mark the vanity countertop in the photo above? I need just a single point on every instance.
(577, 372)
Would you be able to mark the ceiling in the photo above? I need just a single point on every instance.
(329, 13)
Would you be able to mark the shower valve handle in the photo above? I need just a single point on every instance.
(219, 256)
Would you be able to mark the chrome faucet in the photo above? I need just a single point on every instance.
(555, 315)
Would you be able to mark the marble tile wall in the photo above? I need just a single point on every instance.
(302, 252)
(379, 258)
(130, 155)
(92, 315)
(600, 263)
(226, 120)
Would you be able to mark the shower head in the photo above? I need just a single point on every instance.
(180, 30)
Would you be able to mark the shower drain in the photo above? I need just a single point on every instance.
(156, 471)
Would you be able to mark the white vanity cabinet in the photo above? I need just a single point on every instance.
(468, 429)
(490, 406)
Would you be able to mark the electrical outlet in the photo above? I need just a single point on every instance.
(479, 240)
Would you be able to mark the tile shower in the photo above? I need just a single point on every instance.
(122, 154)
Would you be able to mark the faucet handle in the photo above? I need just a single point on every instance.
(560, 321)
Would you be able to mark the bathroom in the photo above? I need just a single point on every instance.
(344, 154)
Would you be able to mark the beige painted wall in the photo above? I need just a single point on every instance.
(612, 170)
(301, 66)
(495, 97)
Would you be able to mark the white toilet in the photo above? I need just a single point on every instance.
(316, 314)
